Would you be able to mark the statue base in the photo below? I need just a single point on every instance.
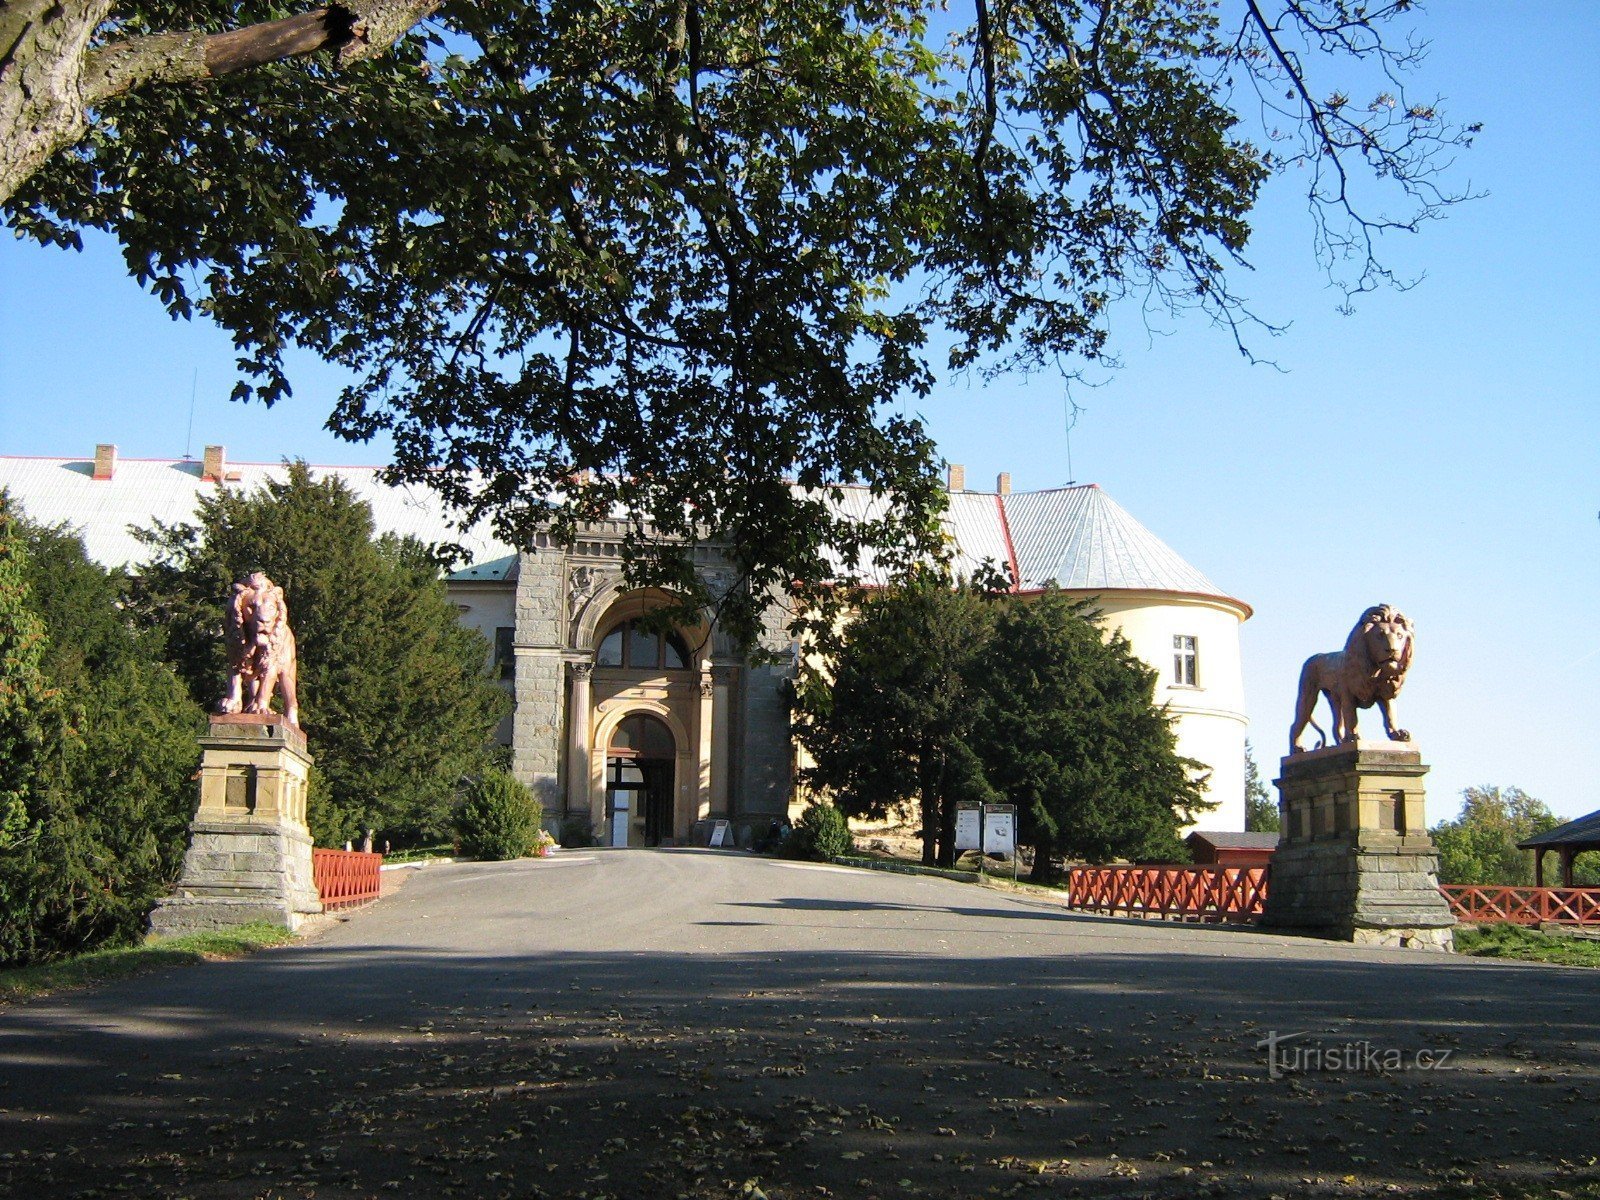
(1354, 859)
(249, 856)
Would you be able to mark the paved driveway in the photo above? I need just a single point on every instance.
(666, 1023)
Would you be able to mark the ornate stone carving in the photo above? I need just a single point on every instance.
(1369, 670)
(582, 584)
(581, 670)
(261, 649)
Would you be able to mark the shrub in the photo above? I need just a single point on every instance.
(821, 833)
(499, 819)
(577, 833)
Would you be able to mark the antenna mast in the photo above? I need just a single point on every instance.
(188, 438)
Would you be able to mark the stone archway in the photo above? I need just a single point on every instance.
(684, 807)
(641, 774)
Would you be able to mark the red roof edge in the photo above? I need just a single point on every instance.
(1011, 550)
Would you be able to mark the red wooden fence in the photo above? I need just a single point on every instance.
(345, 876)
(1187, 893)
(1480, 905)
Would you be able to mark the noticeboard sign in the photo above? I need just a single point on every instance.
(969, 827)
(1000, 829)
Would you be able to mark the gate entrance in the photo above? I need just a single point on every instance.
(639, 783)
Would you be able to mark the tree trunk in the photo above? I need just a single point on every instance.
(42, 47)
(50, 79)
(1044, 863)
(930, 831)
(947, 832)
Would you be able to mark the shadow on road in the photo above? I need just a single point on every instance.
(360, 1071)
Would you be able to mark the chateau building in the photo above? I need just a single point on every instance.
(653, 737)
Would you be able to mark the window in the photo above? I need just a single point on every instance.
(505, 655)
(1185, 660)
(633, 646)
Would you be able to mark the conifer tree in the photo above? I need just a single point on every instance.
(394, 692)
(111, 794)
(24, 694)
(1260, 810)
(1069, 731)
(889, 727)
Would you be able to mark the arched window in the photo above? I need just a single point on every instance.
(632, 645)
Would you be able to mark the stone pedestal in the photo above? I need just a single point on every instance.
(1354, 859)
(249, 856)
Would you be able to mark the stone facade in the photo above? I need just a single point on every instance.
(249, 856)
(727, 719)
(546, 607)
(1354, 860)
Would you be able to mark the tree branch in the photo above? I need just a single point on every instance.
(353, 31)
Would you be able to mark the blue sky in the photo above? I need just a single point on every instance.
(1438, 450)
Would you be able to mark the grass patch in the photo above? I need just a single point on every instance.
(1528, 945)
(103, 966)
(420, 854)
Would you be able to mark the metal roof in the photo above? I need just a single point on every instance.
(1076, 538)
(976, 529)
(1080, 539)
(1584, 831)
(62, 491)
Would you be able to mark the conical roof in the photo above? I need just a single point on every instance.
(1079, 538)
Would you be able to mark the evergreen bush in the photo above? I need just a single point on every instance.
(577, 833)
(499, 819)
(821, 833)
(103, 768)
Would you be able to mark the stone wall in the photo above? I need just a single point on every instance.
(766, 751)
(1354, 860)
(540, 687)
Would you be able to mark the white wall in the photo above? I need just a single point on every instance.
(486, 607)
(1211, 723)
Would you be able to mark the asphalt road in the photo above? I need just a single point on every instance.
(705, 1024)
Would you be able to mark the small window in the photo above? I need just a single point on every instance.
(505, 654)
(1185, 660)
(642, 649)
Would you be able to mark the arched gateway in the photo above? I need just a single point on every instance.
(641, 763)
(644, 733)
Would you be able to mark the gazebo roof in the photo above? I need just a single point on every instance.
(1582, 833)
(1234, 840)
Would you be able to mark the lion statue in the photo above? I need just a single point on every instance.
(1370, 670)
(261, 649)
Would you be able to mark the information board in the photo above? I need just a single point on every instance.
(969, 826)
(1000, 829)
(719, 833)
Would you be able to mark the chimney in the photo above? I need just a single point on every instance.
(214, 466)
(958, 478)
(1003, 483)
(105, 461)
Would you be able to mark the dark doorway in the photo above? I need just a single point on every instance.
(639, 783)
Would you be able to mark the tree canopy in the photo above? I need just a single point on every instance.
(395, 696)
(583, 255)
(1480, 845)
